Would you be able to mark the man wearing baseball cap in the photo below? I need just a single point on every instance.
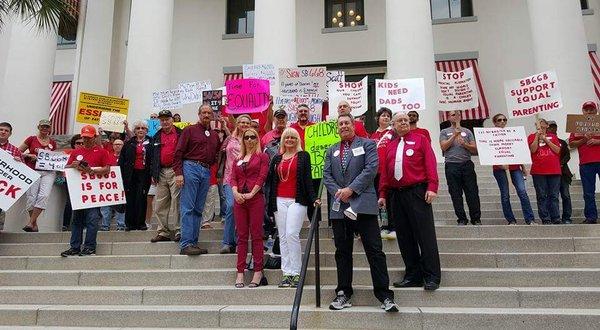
(91, 159)
(280, 124)
(588, 146)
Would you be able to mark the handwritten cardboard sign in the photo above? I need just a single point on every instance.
(260, 71)
(319, 137)
(457, 90)
(214, 98)
(533, 95)
(400, 94)
(335, 76)
(290, 105)
(355, 93)
(247, 96)
(167, 100)
(502, 146)
(191, 92)
(15, 179)
(51, 160)
(583, 124)
(303, 82)
(90, 190)
(91, 106)
(112, 122)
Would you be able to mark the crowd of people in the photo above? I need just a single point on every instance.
(379, 186)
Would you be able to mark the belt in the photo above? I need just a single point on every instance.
(409, 187)
(203, 164)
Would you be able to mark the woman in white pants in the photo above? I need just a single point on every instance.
(290, 192)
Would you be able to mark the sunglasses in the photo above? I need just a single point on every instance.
(250, 137)
(141, 128)
(501, 120)
(78, 143)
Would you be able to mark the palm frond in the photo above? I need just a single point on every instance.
(46, 15)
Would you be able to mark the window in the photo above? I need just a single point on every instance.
(441, 9)
(584, 5)
(67, 24)
(344, 13)
(240, 16)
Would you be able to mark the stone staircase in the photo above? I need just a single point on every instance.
(493, 276)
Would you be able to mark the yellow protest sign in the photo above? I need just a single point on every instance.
(318, 138)
(182, 124)
(90, 107)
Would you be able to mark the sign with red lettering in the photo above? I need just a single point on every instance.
(355, 93)
(457, 90)
(400, 94)
(247, 96)
(533, 95)
(15, 179)
(290, 105)
(502, 146)
(90, 190)
(303, 82)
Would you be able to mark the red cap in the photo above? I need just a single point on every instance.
(589, 105)
(88, 131)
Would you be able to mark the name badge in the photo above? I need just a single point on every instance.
(410, 142)
(336, 153)
(207, 133)
(463, 134)
(358, 151)
(410, 152)
(50, 147)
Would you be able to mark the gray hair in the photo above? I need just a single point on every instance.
(142, 123)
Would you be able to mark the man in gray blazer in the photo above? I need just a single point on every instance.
(348, 174)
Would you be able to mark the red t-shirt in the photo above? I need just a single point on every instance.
(382, 138)
(108, 147)
(587, 154)
(360, 130)
(33, 144)
(140, 156)
(423, 132)
(300, 131)
(167, 148)
(113, 159)
(544, 160)
(95, 156)
(287, 171)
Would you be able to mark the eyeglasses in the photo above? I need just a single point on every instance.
(78, 143)
(152, 117)
(501, 120)
(250, 137)
(452, 114)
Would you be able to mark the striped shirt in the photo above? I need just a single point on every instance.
(11, 149)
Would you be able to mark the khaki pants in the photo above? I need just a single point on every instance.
(167, 203)
(211, 205)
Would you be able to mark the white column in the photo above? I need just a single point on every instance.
(94, 46)
(26, 75)
(275, 35)
(560, 43)
(409, 49)
(148, 65)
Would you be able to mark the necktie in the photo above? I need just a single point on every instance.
(398, 162)
(345, 155)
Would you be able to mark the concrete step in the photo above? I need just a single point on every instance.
(448, 260)
(274, 316)
(464, 277)
(502, 297)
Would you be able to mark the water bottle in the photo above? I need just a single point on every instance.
(336, 205)
(383, 216)
(269, 245)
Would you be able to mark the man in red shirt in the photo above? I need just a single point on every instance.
(167, 192)
(90, 159)
(280, 124)
(410, 178)
(5, 133)
(344, 108)
(303, 113)
(588, 146)
(413, 118)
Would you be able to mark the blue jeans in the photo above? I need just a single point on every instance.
(547, 188)
(88, 218)
(229, 229)
(107, 212)
(588, 174)
(519, 183)
(191, 202)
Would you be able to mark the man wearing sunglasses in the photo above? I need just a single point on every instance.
(413, 118)
(458, 144)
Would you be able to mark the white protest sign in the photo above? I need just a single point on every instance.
(400, 94)
(167, 100)
(457, 90)
(303, 82)
(260, 71)
(355, 93)
(502, 146)
(191, 92)
(290, 105)
(112, 121)
(335, 76)
(51, 160)
(89, 190)
(15, 179)
(532, 95)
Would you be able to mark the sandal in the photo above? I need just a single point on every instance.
(263, 282)
(239, 285)
(29, 229)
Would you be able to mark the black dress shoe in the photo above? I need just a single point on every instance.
(408, 284)
(431, 286)
(476, 223)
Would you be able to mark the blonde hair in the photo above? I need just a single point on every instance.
(237, 120)
(257, 150)
(289, 132)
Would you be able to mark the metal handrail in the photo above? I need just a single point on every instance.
(313, 232)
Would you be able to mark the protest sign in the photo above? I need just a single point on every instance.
(247, 96)
(112, 122)
(457, 90)
(533, 95)
(153, 126)
(182, 124)
(214, 98)
(319, 137)
(355, 93)
(51, 160)
(303, 82)
(290, 105)
(167, 100)
(191, 92)
(400, 94)
(583, 124)
(91, 106)
(335, 76)
(91, 190)
(502, 146)
(15, 179)
(260, 71)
